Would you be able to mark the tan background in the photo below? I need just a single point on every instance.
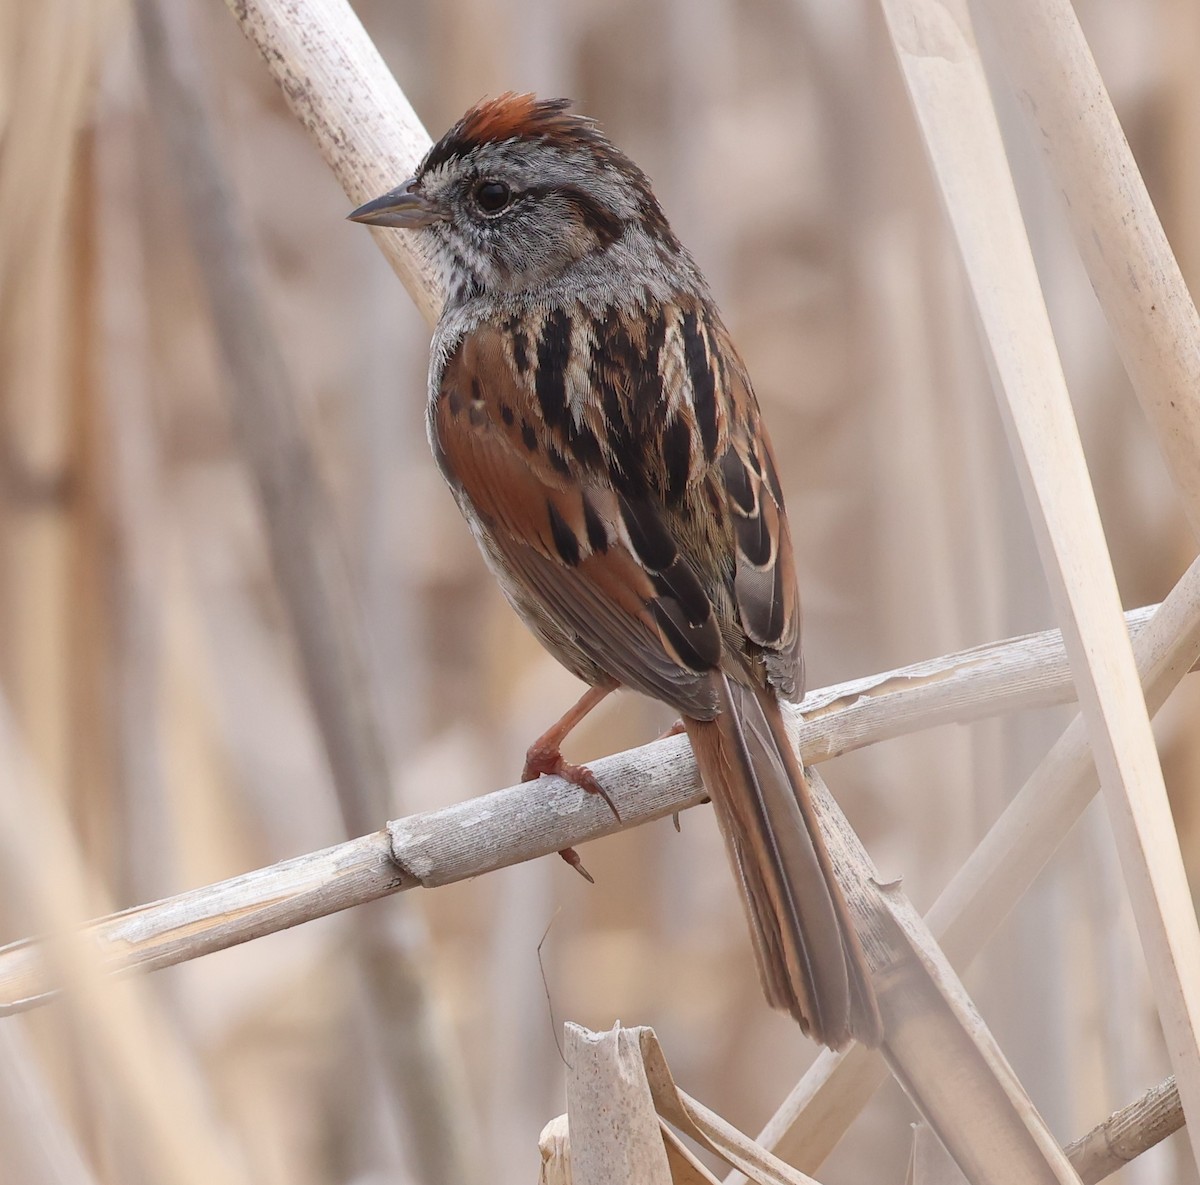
(136, 592)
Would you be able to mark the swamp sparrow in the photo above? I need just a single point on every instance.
(599, 432)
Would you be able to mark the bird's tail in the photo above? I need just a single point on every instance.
(809, 957)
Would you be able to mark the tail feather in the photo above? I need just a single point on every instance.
(809, 957)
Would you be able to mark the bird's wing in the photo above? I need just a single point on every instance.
(764, 582)
(600, 482)
(558, 537)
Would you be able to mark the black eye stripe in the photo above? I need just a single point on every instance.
(602, 222)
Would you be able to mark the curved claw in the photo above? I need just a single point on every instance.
(540, 762)
(571, 856)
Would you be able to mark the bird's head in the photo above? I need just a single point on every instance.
(517, 193)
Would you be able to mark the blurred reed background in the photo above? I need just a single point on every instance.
(151, 673)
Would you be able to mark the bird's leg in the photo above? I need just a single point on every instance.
(544, 756)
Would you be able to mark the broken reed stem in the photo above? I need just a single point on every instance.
(535, 819)
(1127, 1133)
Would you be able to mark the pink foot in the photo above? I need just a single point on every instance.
(539, 761)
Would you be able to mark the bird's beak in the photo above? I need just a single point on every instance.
(398, 207)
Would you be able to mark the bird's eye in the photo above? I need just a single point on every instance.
(492, 196)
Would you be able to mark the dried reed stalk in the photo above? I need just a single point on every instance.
(306, 553)
(1073, 547)
(538, 818)
(315, 584)
(53, 68)
(610, 1114)
(621, 1094)
(1127, 1133)
(821, 1107)
(623, 1109)
(1117, 232)
(48, 295)
(340, 89)
(935, 1043)
(935, 46)
(39, 1146)
(133, 505)
(146, 1066)
(554, 1145)
(929, 1163)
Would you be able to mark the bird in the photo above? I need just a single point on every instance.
(598, 429)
